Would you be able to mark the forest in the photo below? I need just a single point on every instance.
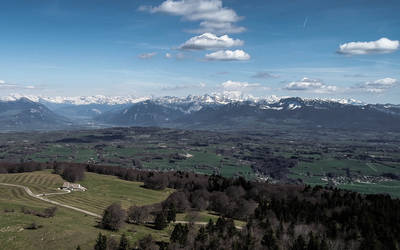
(278, 216)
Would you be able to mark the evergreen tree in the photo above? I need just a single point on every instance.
(324, 245)
(160, 221)
(180, 234)
(171, 214)
(123, 243)
(210, 226)
(202, 235)
(101, 242)
(269, 240)
(299, 244)
(291, 229)
(313, 242)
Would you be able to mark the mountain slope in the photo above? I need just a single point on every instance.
(251, 114)
(207, 112)
(24, 114)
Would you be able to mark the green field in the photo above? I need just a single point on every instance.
(204, 217)
(68, 228)
(312, 172)
(338, 167)
(103, 190)
(38, 182)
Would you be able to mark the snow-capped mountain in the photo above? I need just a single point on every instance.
(219, 111)
(214, 98)
(78, 100)
(24, 114)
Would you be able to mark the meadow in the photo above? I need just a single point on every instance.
(63, 230)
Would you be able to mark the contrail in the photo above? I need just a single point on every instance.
(305, 23)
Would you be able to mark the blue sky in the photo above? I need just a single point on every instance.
(176, 47)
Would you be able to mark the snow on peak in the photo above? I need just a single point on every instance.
(207, 99)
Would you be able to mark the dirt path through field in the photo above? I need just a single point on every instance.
(41, 197)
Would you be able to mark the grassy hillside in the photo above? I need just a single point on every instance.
(104, 190)
(62, 231)
(38, 182)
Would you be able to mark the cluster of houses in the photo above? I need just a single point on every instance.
(73, 187)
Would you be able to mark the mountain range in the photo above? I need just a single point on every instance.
(214, 112)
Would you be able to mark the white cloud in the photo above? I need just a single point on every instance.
(238, 86)
(211, 13)
(6, 85)
(378, 86)
(148, 55)
(184, 87)
(208, 41)
(177, 56)
(382, 46)
(219, 28)
(311, 85)
(228, 55)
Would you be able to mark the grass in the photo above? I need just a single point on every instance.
(205, 216)
(38, 182)
(330, 165)
(311, 173)
(392, 188)
(61, 152)
(104, 190)
(68, 228)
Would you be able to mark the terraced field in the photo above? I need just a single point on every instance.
(38, 182)
(104, 190)
(62, 231)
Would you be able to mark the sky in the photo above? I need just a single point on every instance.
(305, 48)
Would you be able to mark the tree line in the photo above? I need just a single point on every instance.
(289, 216)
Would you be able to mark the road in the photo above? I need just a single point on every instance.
(42, 198)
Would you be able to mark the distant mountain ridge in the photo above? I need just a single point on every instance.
(218, 98)
(213, 112)
(24, 114)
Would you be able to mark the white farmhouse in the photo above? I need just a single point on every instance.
(73, 187)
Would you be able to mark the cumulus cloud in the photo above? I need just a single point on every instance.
(211, 13)
(264, 75)
(168, 55)
(311, 85)
(147, 55)
(219, 28)
(378, 86)
(238, 86)
(382, 46)
(228, 55)
(209, 41)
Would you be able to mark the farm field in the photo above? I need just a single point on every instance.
(276, 155)
(104, 190)
(62, 231)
